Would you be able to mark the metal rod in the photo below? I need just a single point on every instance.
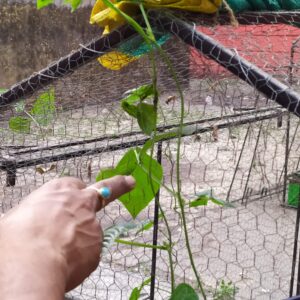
(298, 275)
(155, 230)
(237, 164)
(288, 122)
(128, 134)
(295, 250)
(252, 163)
(259, 79)
(274, 89)
(93, 151)
(286, 159)
(66, 65)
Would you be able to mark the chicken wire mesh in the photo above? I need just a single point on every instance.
(239, 145)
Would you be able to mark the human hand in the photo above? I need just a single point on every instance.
(52, 241)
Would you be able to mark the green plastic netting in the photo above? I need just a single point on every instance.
(260, 5)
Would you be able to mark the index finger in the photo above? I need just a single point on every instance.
(117, 185)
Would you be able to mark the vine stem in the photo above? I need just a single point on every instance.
(170, 249)
(141, 245)
(36, 123)
(180, 199)
(151, 42)
(155, 103)
(182, 109)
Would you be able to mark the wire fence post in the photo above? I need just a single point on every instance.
(155, 230)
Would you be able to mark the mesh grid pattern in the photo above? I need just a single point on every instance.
(240, 145)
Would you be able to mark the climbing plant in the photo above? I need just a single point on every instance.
(142, 105)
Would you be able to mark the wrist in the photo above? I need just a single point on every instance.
(31, 274)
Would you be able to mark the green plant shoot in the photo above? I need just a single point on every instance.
(136, 292)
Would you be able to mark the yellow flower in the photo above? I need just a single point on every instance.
(110, 20)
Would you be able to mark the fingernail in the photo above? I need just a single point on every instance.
(130, 181)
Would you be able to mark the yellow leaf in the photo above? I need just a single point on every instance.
(115, 60)
(42, 170)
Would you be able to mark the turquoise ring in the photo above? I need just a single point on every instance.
(104, 193)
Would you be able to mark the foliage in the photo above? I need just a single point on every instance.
(136, 292)
(139, 166)
(43, 3)
(225, 291)
(205, 197)
(184, 292)
(19, 124)
(74, 3)
(139, 94)
(147, 117)
(42, 113)
(146, 170)
(141, 104)
(145, 114)
(43, 108)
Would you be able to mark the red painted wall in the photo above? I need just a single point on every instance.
(267, 46)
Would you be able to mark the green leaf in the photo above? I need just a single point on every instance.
(136, 292)
(43, 3)
(184, 292)
(221, 202)
(2, 91)
(147, 117)
(43, 109)
(139, 94)
(136, 200)
(106, 173)
(129, 108)
(19, 124)
(127, 164)
(74, 3)
(205, 197)
(136, 95)
(200, 201)
(146, 282)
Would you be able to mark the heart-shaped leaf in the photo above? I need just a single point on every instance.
(139, 94)
(146, 116)
(129, 108)
(136, 292)
(184, 292)
(146, 188)
(43, 109)
(19, 124)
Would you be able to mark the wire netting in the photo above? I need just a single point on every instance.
(239, 145)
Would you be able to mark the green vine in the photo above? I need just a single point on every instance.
(142, 104)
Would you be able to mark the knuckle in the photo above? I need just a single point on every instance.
(65, 182)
